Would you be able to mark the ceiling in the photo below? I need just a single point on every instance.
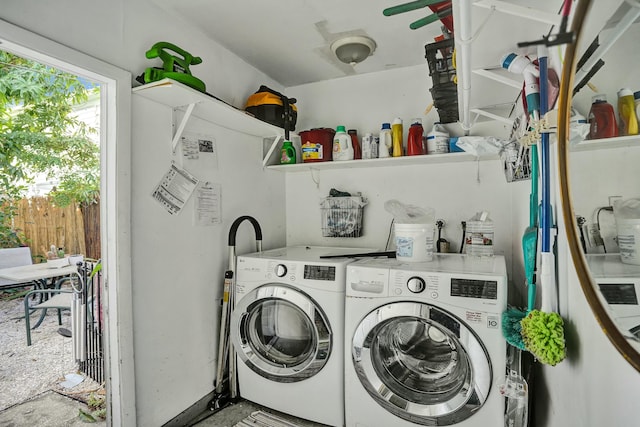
(289, 40)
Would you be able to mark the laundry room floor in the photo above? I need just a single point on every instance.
(232, 414)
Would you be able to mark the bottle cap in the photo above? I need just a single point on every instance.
(416, 121)
(397, 121)
(600, 97)
(624, 92)
(340, 129)
(386, 126)
(352, 131)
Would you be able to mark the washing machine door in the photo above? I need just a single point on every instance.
(281, 333)
(421, 363)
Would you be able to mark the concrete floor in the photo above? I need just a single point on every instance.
(51, 409)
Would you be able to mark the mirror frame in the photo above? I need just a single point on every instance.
(579, 259)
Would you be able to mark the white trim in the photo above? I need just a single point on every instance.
(116, 206)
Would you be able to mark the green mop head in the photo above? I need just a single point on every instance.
(511, 327)
(543, 335)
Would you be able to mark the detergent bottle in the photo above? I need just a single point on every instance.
(414, 140)
(357, 150)
(627, 112)
(386, 141)
(602, 119)
(438, 140)
(287, 153)
(396, 137)
(342, 146)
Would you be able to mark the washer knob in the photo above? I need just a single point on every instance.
(281, 270)
(415, 285)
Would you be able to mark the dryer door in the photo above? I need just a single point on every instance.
(421, 363)
(281, 333)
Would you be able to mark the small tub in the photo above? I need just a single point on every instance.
(414, 242)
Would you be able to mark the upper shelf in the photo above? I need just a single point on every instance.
(607, 143)
(206, 107)
(376, 163)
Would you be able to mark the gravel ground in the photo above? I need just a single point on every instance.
(27, 371)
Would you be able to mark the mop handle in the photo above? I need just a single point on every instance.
(545, 220)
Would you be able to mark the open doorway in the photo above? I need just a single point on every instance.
(115, 90)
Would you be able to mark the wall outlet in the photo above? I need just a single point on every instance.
(613, 199)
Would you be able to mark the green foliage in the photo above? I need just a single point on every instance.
(40, 134)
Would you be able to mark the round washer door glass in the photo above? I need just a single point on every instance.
(281, 333)
(421, 363)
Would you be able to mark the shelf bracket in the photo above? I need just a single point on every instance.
(274, 144)
(181, 126)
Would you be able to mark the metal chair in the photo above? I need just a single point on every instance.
(55, 298)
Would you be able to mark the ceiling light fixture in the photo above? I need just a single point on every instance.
(354, 49)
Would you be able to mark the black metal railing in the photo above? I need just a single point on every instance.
(91, 360)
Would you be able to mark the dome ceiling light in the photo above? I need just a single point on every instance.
(354, 49)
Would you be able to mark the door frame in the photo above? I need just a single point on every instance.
(115, 190)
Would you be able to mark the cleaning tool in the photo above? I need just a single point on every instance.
(543, 331)
(174, 66)
(511, 319)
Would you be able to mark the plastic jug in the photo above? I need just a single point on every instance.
(627, 113)
(396, 136)
(414, 140)
(479, 235)
(357, 152)
(602, 119)
(385, 143)
(342, 146)
(287, 153)
(438, 140)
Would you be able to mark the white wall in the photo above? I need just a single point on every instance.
(455, 190)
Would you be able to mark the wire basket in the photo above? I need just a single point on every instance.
(516, 159)
(342, 216)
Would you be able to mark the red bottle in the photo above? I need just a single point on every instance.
(357, 152)
(414, 140)
(602, 119)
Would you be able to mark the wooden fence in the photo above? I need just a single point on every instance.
(45, 224)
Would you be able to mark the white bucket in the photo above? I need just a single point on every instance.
(629, 240)
(414, 242)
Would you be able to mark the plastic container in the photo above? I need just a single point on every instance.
(414, 140)
(385, 143)
(453, 147)
(628, 124)
(342, 146)
(396, 137)
(438, 140)
(627, 215)
(316, 145)
(479, 235)
(414, 242)
(636, 100)
(287, 153)
(369, 147)
(357, 152)
(602, 119)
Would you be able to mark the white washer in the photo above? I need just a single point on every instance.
(423, 342)
(287, 328)
(619, 286)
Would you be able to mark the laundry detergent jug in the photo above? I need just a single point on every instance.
(342, 145)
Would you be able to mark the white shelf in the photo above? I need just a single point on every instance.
(377, 163)
(520, 11)
(607, 143)
(206, 107)
(499, 75)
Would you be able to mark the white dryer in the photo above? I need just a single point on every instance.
(287, 328)
(423, 342)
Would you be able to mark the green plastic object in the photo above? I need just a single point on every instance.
(408, 7)
(543, 335)
(175, 65)
(287, 153)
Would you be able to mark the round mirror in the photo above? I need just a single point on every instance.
(596, 172)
